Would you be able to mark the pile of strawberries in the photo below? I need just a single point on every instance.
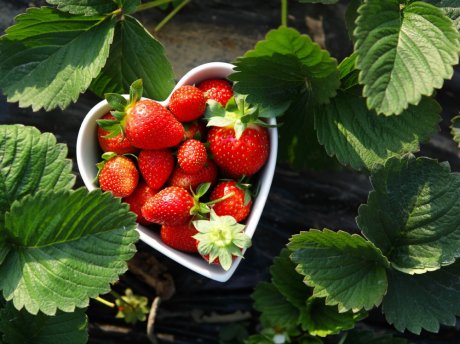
(185, 168)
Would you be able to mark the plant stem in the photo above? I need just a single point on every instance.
(151, 4)
(105, 302)
(284, 10)
(170, 15)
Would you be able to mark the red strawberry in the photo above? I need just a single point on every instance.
(137, 199)
(117, 174)
(156, 166)
(238, 205)
(145, 123)
(170, 206)
(207, 174)
(219, 90)
(195, 130)
(180, 237)
(187, 103)
(220, 239)
(116, 144)
(239, 157)
(192, 156)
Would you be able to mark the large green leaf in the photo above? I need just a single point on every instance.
(345, 269)
(362, 139)
(417, 302)
(135, 54)
(30, 161)
(404, 52)
(451, 8)
(65, 247)
(85, 7)
(283, 64)
(412, 214)
(276, 310)
(49, 57)
(21, 327)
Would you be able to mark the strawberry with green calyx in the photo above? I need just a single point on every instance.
(192, 156)
(138, 198)
(219, 90)
(145, 123)
(117, 174)
(207, 174)
(238, 205)
(116, 144)
(180, 237)
(221, 238)
(156, 165)
(187, 103)
(195, 130)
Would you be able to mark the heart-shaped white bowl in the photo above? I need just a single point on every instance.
(89, 153)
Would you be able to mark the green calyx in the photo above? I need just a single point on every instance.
(120, 106)
(221, 237)
(200, 209)
(237, 114)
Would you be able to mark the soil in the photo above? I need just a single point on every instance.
(195, 309)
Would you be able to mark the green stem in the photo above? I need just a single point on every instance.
(284, 11)
(170, 15)
(105, 302)
(151, 4)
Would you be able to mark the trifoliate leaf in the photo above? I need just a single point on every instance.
(416, 302)
(63, 327)
(135, 53)
(276, 310)
(65, 247)
(412, 214)
(49, 57)
(283, 65)
(322, 320)
(455, 129)
(29, 162)
(85, 7)
(345, 269)
(364, 140)
(404, 52)
(451, 9)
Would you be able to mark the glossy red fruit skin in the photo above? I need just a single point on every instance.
(187, 103)
(156, 166)
(138, 198)
(192, 156)
(119, 176)
(219, 90)
(113, 144)
(170, 206)
(207, 174)
(242, 157)
(180, 237)
(149, 125)
(233, 205)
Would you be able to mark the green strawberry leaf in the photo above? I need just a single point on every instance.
(370, 337)
(412, 214)
(283, 65)
(345, 269)
(455, 129)
(451, 8)
(416, 302)
(69, 328)
(349, 75)
(420, 43)
(49, 57)
(362, 139)
(85, 7)
(275, 310)
(64, 247)
(29, 162)
(135, 53)
(322, 320)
